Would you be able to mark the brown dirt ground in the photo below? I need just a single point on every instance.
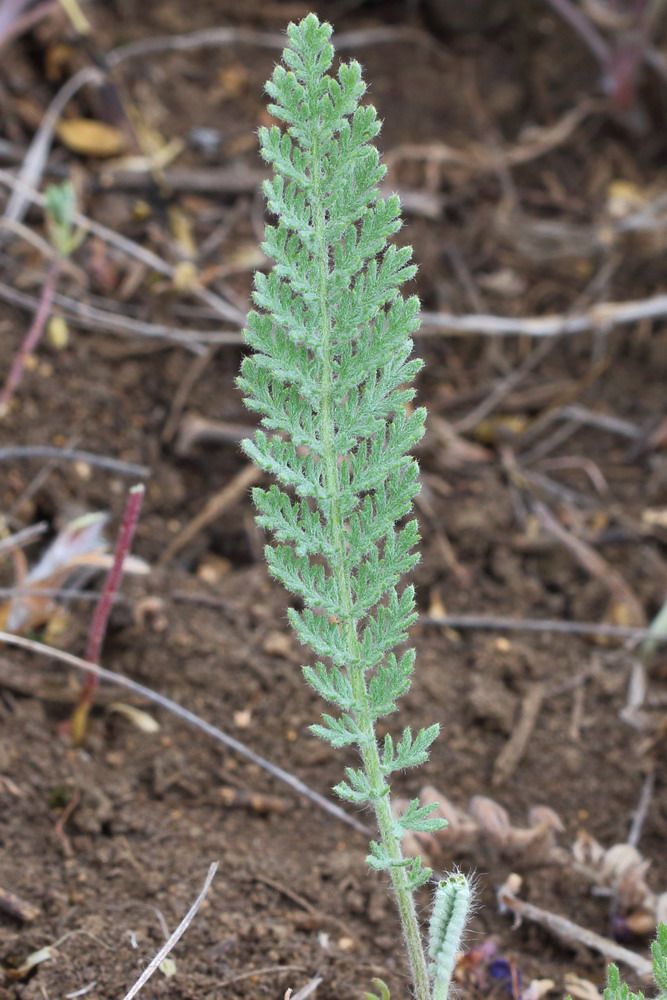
(146, 813)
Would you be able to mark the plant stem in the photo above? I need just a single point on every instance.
(363, 717)
(98, 625)
(32, 337)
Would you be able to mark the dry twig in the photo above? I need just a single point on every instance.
(568, 931)
(52, 452)
(169, 945)
(510, 756)
(500, 624)
(215, 506)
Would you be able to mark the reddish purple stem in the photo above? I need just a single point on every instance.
(31, 338)
(98, 625)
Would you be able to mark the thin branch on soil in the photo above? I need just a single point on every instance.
(621, 595)
(33, 165)
(604, 421)
(585, 28)
(510, 756)
(268, 970)
(570, 932)
(325, 919)
(215, 506)
(100, 620)
(17, 908)
(13, 22)
(305, 991)
(217, 37)
(242, 180)
(169, 945)
(194, 720)
(90, 317)
(32, 337)
(194, 430)
(29, 193)
(48, 251)
(504, 387)
(477, 156)
(640, 812)
(73, 455)
(601, 316)
(21, 538)
(500, 624)
(190, 377)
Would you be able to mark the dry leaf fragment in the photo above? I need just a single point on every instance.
(619, 860)
(581, 989)
(587, 851)
(142, 720)
(91, 138)
(35, 958)
(537, 988)
(77, 552)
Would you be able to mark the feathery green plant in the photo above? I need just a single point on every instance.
(618, 990)
(330, 374)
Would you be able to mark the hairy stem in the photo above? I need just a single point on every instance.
(363, 717)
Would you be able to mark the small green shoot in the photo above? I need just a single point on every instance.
(60, 206)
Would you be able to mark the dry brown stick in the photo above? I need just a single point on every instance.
(640, 812)
(570, 932)
(501, 624)
(268, 970)
(600, 316)
(23, 537)
(37, 155)
(216, 37)
(54, 453)
(194, 430)
(479, 157)
(16, 907)
(235, 181)
(194, 720)
(594, 564)
(509, 757)
(185, 387)
(215, 506)
(87, 316)
(504, 387)
(29, 193)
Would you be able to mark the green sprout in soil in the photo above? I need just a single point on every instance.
(331, 375)
(60, 205)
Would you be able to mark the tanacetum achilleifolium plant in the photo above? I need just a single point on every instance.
(330, 374)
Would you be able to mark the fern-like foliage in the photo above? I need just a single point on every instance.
(618, 990)
(330, 375)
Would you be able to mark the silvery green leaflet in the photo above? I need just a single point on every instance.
(330, 374)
